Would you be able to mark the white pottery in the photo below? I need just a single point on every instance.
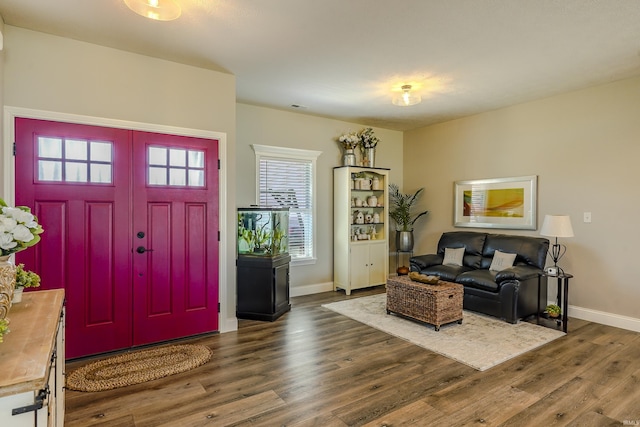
(17, 295)
(375, 183)
(372, 201)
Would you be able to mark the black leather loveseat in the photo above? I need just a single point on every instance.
(510, 293)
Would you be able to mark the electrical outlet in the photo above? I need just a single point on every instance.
(587, 217)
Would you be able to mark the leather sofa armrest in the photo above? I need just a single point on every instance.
(519, 272)
(424, 261)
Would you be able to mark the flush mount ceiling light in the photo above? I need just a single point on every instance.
(406, 98)
(160, 10)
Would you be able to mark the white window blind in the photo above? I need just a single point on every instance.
(286, 179)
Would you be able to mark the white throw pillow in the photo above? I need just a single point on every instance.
(502, 260)
(453, 256)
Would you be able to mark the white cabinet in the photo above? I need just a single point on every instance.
(361, 227)
(32, 377)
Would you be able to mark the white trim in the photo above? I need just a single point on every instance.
(604, 318)
(225, 323)
(295, 154)
(297, 291)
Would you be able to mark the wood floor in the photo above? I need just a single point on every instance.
(314, 367)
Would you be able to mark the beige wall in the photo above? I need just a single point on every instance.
(584, 148)
(258, 125)
(49, 73)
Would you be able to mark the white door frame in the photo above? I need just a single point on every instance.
(10, 114)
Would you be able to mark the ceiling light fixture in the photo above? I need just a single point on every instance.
(406, 98)
(160, 10)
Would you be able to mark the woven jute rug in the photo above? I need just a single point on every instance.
(137, 367)
(480, 341)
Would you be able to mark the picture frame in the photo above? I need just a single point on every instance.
(507, 203)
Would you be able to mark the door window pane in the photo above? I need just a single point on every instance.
(177, 157)
(75, 149)
(157, 156)
(101, 152)
(76, 172)
(101, 173)
(196, 159)
(177, 177)
(49, 170)
(50, 147)
(196, 178)
(157, 176)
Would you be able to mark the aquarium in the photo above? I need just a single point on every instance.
(262, 231)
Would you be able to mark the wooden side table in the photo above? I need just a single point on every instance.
(563, 296)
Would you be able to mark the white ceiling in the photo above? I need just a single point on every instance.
(344, 58)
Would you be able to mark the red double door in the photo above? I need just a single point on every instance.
(131, 230)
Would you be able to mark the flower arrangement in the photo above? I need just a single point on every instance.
(19, 229)
(367, 138)
(349, 141)
(26, 278)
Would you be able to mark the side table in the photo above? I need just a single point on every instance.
(563, 296)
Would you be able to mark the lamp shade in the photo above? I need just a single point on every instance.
(557, 226)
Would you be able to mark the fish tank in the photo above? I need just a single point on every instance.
(262, 231)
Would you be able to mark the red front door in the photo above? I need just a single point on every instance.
(175, 217)
(88, 187)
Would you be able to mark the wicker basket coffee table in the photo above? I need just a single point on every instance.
(434, 304)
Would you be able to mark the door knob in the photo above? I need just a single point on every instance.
(142, 249)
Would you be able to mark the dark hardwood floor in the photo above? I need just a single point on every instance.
(314, 367)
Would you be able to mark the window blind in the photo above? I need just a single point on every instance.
(289, 183)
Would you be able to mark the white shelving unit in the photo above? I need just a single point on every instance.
(361, 242)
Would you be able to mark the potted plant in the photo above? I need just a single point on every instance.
(400, 212)
(553, 310)
(24, 279)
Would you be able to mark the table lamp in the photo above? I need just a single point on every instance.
(556, 226)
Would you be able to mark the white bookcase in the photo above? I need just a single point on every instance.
(360, 227)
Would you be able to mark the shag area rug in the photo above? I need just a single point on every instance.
(480, 341)
(137, 367)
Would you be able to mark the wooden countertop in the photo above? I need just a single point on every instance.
(25, 354)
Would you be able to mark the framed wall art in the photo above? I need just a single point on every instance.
(496, 203)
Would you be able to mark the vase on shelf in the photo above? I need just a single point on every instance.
(370, 157)
(7, 284)
(348, 158)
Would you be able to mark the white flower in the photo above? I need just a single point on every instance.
(22, 233)
(21, 216)
(6, 241)
(7, 224)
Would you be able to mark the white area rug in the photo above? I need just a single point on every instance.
(480, 341)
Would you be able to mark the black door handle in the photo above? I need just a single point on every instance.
(142, 249)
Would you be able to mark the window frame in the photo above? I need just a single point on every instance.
(266, 152)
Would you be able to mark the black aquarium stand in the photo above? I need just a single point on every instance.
(263, 287)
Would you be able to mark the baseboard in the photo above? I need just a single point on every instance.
(604, 318)
(298, 291)
(228, 325)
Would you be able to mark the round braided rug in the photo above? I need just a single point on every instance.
(137, 367)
